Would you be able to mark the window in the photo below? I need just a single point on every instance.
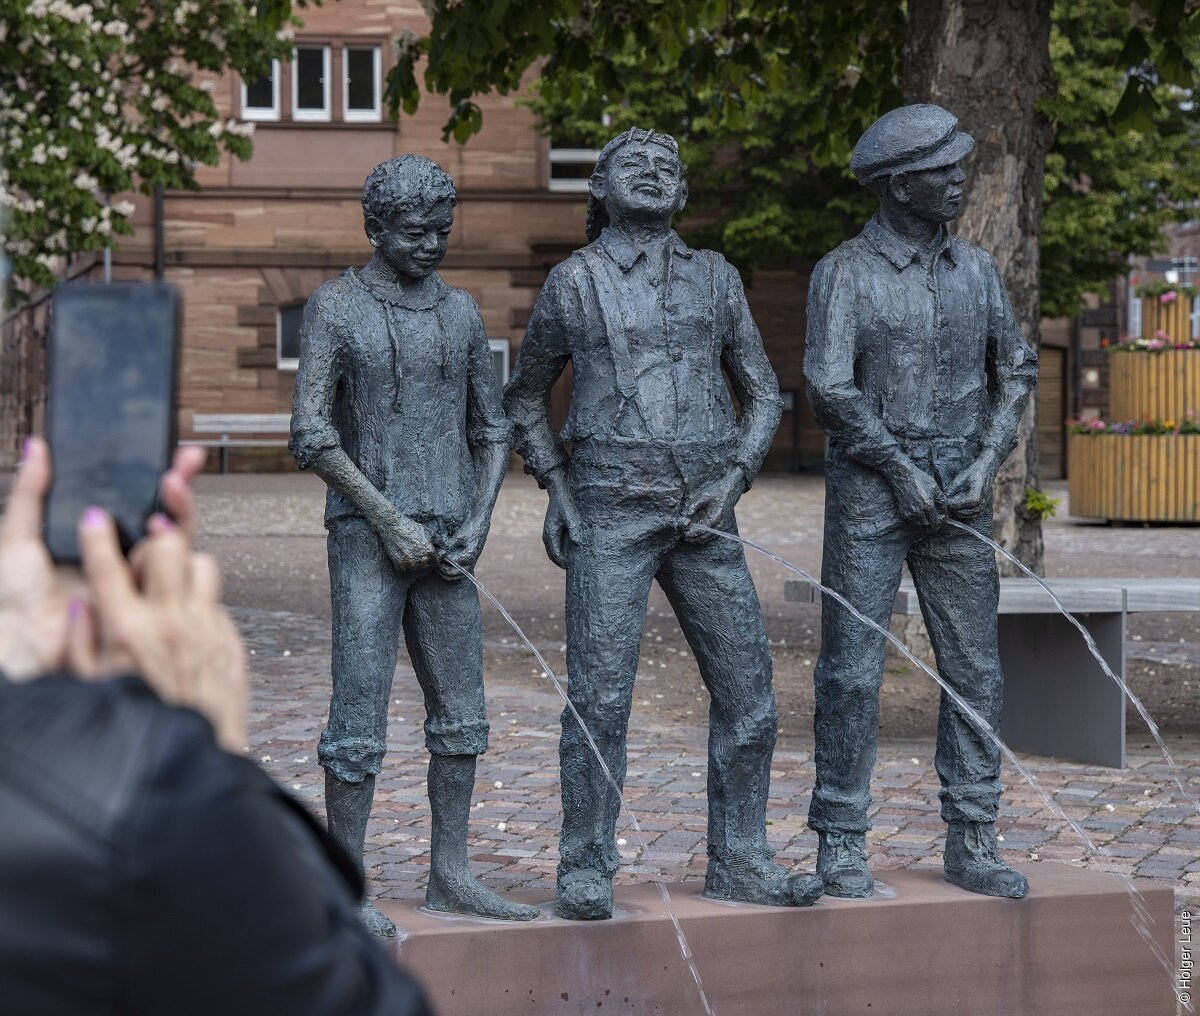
(499, 348)
(362, 86)
(260, 99)
(572, 158)
(287, 329)
(571, 168)
(310, 83)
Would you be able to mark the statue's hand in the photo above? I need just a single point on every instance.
(406, 543)
(713, 502)
(462, 548)
(968, 492)
(563, 523)
(918, 497)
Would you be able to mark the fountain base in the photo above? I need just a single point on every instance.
(919, 948)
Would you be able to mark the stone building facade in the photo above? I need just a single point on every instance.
(248, 248)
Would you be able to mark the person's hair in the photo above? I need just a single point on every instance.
(597, 214)
(404, 183)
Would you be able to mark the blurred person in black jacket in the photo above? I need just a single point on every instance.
(145, 866)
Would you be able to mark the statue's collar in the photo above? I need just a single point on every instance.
(900, 251)
(625, 253)
(424, 298)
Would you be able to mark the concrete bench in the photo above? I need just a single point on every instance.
(226, 424)
(1057, 699)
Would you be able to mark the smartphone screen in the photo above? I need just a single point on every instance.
(110, 405)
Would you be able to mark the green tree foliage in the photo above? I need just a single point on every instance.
(1110, 190)
(768, 98)
(110, 97)
(1159, 48)
(768, 169)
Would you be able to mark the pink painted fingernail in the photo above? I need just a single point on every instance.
(26, 448)
(75, 608)
(161, 523)
(94, 518)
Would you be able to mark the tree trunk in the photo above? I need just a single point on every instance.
(988, 62)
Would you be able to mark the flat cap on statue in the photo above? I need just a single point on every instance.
(908, 140)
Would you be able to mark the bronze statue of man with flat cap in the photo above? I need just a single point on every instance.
(918, 372)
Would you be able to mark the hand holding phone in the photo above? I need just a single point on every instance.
(110, 406)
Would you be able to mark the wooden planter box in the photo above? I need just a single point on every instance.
(1150, 478)
(1153, 385)
(1174, 318)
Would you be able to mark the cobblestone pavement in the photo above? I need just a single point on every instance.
(267, 532)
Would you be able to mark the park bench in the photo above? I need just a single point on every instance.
(1057, 699)
(226, 424)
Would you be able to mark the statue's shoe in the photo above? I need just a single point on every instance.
(842, 865)
(584, 895)
(374, 921)
(761, 882)
(972, 862)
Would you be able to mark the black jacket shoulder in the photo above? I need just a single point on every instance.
(145, 870)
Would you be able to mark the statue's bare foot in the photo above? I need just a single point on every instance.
(462, 893)
(761, 882)
(374, 921)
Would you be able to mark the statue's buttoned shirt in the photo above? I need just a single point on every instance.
(909, 348)
(405, 387)
(648, 331)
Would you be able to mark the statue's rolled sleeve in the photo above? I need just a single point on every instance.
(1012, 362)
(753, 381)
(841, 408)
(313, 430)
(486, 422)
(540, 361)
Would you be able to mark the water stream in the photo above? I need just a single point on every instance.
(684, 948)
(1141, 919)
(1176, 772)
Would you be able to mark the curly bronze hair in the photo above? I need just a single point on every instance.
(404, 183)
(597, 214)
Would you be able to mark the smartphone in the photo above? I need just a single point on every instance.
(110, 406)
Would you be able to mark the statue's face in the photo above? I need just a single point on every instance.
(414, 242)
(643, 180)
(933, 194)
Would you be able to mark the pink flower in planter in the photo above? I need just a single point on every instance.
(1170, 296)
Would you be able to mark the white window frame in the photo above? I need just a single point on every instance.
(286, 363)
(325, 114)
(362, 115)
(571, 157)
(1134, 316)
(502, 346)
(263, 112)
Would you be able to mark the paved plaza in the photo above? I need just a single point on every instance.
(266, 530)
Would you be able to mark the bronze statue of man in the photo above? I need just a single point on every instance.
(918, 372)
(658, 450)
(396, 408)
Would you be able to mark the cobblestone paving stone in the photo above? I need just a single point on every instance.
(267, 533)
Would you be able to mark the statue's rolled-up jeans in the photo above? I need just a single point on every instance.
(632, 497)
(865, 547)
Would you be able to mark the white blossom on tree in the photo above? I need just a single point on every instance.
(112, 97)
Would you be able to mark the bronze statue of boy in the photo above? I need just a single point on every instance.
(918, 372)
(652, 329)
(396, 409)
